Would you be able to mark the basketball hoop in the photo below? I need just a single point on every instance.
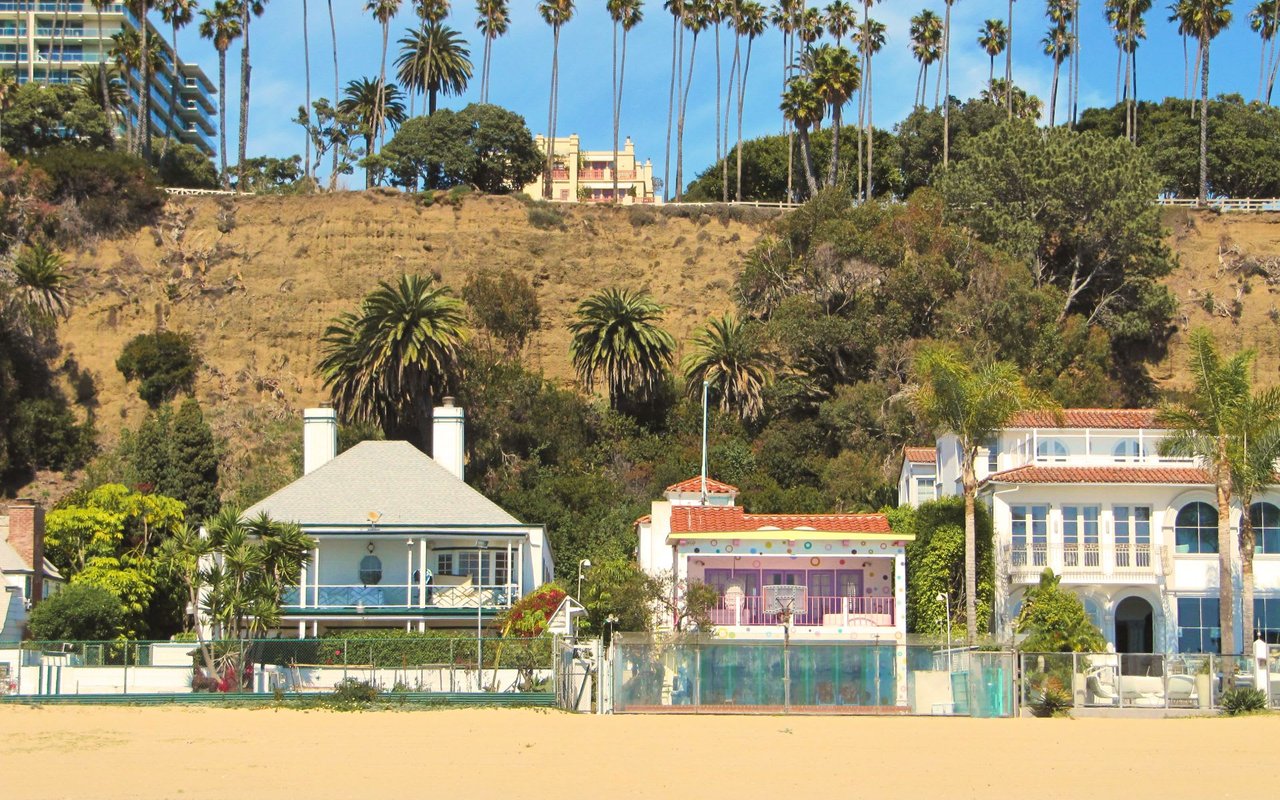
(783, 600)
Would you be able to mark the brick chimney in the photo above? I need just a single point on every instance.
(26, 536)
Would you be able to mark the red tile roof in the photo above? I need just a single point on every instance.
(694, 486)
(645, 520)
(1125, 418)
(1173, 475)
(710, 519)
(922, 455)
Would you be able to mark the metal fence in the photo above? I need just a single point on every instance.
(405, 663)
(1151, 681)
(688, 674)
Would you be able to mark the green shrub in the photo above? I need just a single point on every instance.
(353, 691)
(164, 363)
(1054, 701)
(77, 613)
(111, 190)
(397, 648)
(183, 165)
(1243, 700)
(545, 218)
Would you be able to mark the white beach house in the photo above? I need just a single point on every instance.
(401, 541)
(1133, 533)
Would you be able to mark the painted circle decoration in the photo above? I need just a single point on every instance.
(864, 544)
(755, 563)
(842, 562)
(808, 545)
(736, 542)
(728, 548)
(827, 547)
(768, 545)
(714, 543)
(815, 561)
(697, 549)
(882, 545)
(753, 550)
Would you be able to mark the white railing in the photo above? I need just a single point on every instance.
(812, 611)
(387, 597)
(1091, 562)
(1223, 203)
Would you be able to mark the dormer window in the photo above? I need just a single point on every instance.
(1051, 450)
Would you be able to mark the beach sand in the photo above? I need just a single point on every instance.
(114, 752)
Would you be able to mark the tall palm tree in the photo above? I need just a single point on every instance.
(40, 280)
(179, 14)
(836, 77)
(840, 18)
(1008, 65)
(557, 14)
(751, 23)
(383, 363)
(696, 18)
(731, 356)
(1183, 13)
(383, 11)
(926, 46)
(1126, 18)
(374, 106)
(1205, 428)
(993, 38)
(493, 22)
(785, 16)
(1254, 453)
(1264, 20)
(1057, 45)
(871, 36)
(435, 60)
(626, 14)
(809, 27)
(617, 340)
(676, 9)
(430, 12)
(221, 25)
(98, 7)
(716, 15)
(141, 9)
(1211, 18)
(333, 36)
(946, 92)
(248, 10)
(804, 108)
(972, 402)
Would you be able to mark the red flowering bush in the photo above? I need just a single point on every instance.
(531, 613)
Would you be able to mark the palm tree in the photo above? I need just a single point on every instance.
(141, 9)
(616, 339)
(38, 275)
(836, 77)
(98, 7)
(732, 357)
(926, 46)
(696, 19)
(1057, 45)
(1008, 64)
(972, 402)
(435, 60)
(384, 363)
(1024, 106)
(946, 92)
(626, 14)
(716, 14)
(179, 14)
(373, 111)
(383, 11)
(1211, 18)
(333, 35)
(751, 23)
(809, 27)
(88, 81)
(676, 9)
(221, 25)
(785, 16)
(804, 108)
(871, 37)
(840, 18)
(556, 13)
(1206, 428)
(1256, 448)
(1183, 13)
(494, 21)
(1263, 20)
(993, 38)
(248, 10)
(430, 12)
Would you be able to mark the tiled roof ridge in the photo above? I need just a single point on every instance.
(920, 454)
(694, 484)
(713, 518)
(1121, 418)
(1100, 474)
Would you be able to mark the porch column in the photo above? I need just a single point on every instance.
(510, 573)
(302, 629)
(408, 577)
(422, 572)
(302, 586)
(520, 568)
(315, 563)
(900, 591)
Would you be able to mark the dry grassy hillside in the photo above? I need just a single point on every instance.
(255, 281)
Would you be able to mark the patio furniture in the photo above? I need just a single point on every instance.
(1182, 690)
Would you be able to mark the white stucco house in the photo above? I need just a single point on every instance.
(26, 576)
(846, 572)
(401, 541)
(1133, 533)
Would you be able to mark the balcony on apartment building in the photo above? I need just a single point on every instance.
(1085, 448)
(1082, 562)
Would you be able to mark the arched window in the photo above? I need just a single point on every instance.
(1266, 527)
(1051, 450)
(370, 570)
(1127, 449)
(1196, 529)
(1094, 611)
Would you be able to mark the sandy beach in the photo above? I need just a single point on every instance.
(109, 752)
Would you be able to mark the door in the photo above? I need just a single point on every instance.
(849, 583)
(822, 599)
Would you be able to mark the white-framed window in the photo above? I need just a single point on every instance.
(444, 564)
(925, 489)
(1127, 450)
(1132, 528)
(993, 454)
(1051, 450)
(1266, 528)
(1080, 535)
(1196, 529)
(1030, 533)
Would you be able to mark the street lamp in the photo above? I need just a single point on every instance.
(946, 600)
(583, 566)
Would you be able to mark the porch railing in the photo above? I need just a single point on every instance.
(814, 611)
(1083, 561)
(357, 597)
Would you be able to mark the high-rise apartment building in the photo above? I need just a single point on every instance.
(51, 41)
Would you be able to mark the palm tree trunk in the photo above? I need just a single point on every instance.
(244, 87)
(617, 114)
(862, 121)
(1226, 600)
(806, 155)
(62, 41)
(145, 95)
(684, 106)
(724, 164)
(671, 106)
(742, 94)
(1053, 92)
(1204, 123)
(551, 113)
(786, 126)
(380, 115)
(1133, 94)
(991, 70)
(306, 68)
(614, 85)
(222, 119)
(735, 72)
(1248, 540)
(1120, 62)
(102, 76)
(871, 129)
(970, 553)
(834, 165)
(1186, 71)
(333, 33)
(946, 100)
(1008, 65)
(173, 92)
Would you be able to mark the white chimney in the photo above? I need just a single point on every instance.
(448, 439)
(319, 438)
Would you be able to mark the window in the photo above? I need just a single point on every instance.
(1198, 630)
(501, 573)
(370, 570)
(993, 453)
(924, 489)
(1133, 535)
(1051, 450)
(1127, 450)
(1266, 528)
(1196, 529)
(1080, 536)
(444, 564)
(1266, 618)
(1030, 534)
(469, 565)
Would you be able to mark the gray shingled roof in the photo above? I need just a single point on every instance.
(395, 479)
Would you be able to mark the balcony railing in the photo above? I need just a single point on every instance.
(812, 612)
(606, 174)
(391, 597)
(1084, 562)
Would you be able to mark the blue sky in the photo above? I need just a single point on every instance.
(522, 61)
